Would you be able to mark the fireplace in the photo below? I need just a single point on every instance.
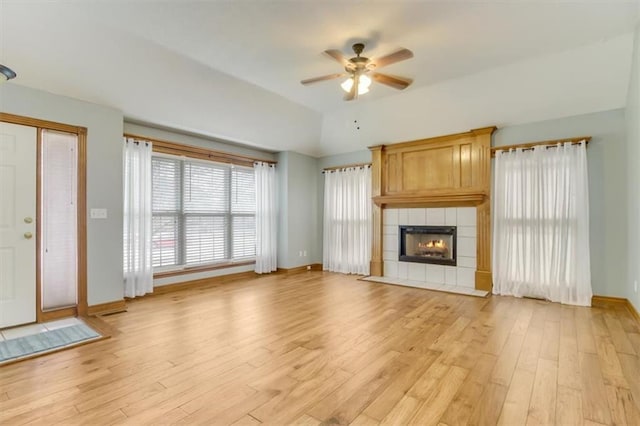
(428, 244)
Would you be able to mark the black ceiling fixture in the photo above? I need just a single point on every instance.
(7, 73)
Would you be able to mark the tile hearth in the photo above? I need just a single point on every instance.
(428, 286)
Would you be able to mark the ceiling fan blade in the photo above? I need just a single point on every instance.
(392, 58)
(337, 56)
(323, 78)
(353, 93)
(392, 81)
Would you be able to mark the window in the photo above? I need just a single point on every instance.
(59, 237)
(203, 212)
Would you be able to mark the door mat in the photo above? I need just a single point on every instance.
(21, 347)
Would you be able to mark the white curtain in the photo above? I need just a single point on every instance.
(347, 220)
(138, 269)
(266, 218)
(541, 224)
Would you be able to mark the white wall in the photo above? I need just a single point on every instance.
(104, 177)
(298, 221)
(632, 115)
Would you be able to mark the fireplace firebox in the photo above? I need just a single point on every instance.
(428, 244)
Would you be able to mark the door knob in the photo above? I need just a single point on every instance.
(28, 220)
(28, 235)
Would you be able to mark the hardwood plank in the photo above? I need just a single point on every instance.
(326, 406)
(450, 334)
(618, 334)
(550, 341)
(634, 338)
(290, 405)
(594, 395)
(516, 404)
(584, 332)
(232, 413)
(569, 406)
(528, 359)
(488, 408)
(415, 367)
(316, 347)
(609, 362)
(403, 411)
(468, 397)
(364, 420)
(542, 408)
(423, 387)
(464, 403)
(507, 360)
(623, 408)
(568, 357)
(631, 370)
(250, 421)
(434, 407)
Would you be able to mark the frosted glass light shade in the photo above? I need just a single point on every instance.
(363, 86)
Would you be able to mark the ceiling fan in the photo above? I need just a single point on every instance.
(358, 69)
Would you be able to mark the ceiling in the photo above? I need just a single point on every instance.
(88, 49)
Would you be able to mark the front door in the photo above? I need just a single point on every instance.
(18, 158)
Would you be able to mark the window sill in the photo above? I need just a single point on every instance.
(203, 268)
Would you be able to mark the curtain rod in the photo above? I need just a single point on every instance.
(530, 145)
(136, 141)
(199, 149)
(346, 166)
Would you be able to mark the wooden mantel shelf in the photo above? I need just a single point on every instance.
(459, 199)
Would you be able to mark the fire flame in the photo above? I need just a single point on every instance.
(432, 244)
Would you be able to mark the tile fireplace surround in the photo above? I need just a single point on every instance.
(456, 279)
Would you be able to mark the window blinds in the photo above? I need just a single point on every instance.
(203, 212)
(59, 180)
(243, 208)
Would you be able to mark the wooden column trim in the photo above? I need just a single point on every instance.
(484, 279)
(376, 267)
(82, 222)
(39, 314)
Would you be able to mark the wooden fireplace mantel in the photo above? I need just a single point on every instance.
(445, 171)
(435, 199)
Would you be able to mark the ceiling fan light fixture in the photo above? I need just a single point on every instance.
(6, 73)
(363, 85)
(363, 68)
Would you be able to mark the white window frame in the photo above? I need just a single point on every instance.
(181, 216)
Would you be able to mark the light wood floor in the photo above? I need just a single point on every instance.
(317, 347)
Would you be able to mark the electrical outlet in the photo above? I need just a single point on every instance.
(304, 253)
(300, 253)
(98, 213)
(635, 286)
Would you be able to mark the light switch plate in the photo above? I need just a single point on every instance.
(98, 213)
